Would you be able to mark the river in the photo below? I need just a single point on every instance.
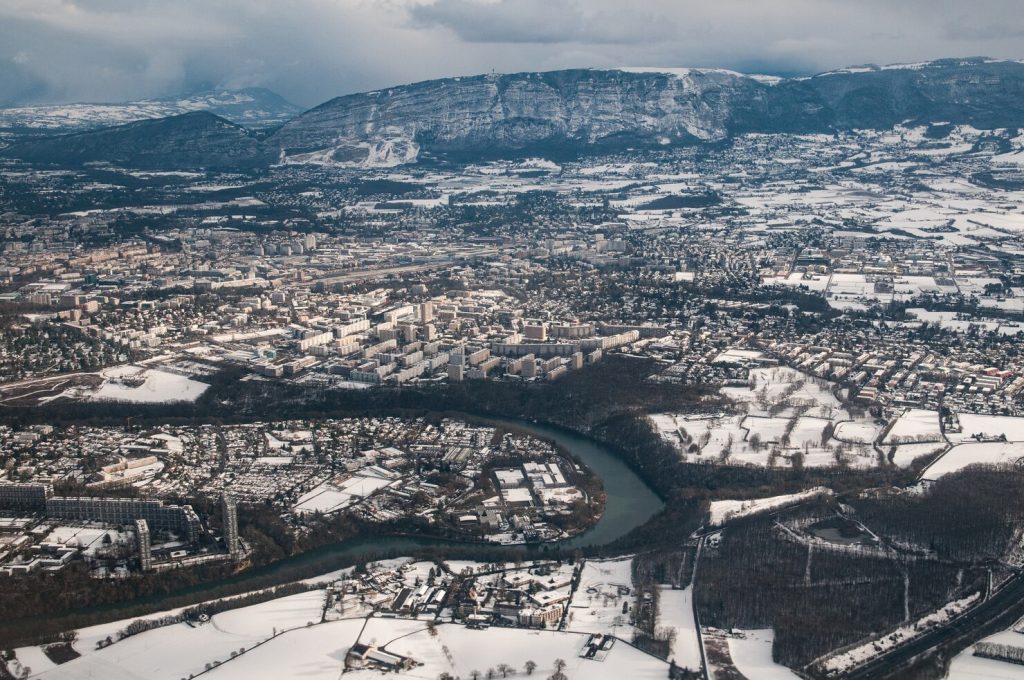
(629, 504)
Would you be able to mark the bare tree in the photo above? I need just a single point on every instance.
(559, 670)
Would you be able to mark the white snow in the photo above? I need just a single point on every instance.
(157, 386)
(863, 432)
(597, 605)
(722, 511)
(87, 538)
(907, 453)
(314, 653)
(331, 496)
(788, 413)
(675, 610)
(35, 659)
(684, 72)
(180, 650)
(914, 426)
(966, 666)
(986, 453)
(989, 427)
(242, 107)
(481, 650)
(751, 653)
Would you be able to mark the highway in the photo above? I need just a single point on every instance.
(999, 611)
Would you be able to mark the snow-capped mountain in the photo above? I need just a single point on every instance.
(251, 107)
(583, 111)
(589, 110)
(502, 113)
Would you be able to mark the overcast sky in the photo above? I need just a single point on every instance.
(312, 50)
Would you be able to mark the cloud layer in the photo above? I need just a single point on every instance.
(311, 50)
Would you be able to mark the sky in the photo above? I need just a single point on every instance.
(312, 50)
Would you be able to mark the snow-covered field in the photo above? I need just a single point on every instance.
(851, 290)
(179, 650)
(314, 653)
(949, 320)
(966, 666)
(906, 453)
(33, 659)
(383, 632)
(318, 652)
(915, 426)
(597, 605)
(286, 638)
(89, 538)
(987, 453)
(789, 416)
(481, 650)
(752, 655)
(988, 427)
(675, 610)
(722, 511)
(863, 432)
(155, 386)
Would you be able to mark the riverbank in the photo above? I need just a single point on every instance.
(629, 504)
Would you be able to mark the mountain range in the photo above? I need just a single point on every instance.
(253, 107)
(560, 113)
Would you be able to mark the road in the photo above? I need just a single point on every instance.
(374, 273)
(999, 611)
(696, 617)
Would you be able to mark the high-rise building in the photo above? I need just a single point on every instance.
(536, 331)
(408, 332)
(455, 372)
(230, 511)
(145, 544)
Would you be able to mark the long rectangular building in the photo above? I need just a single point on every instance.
(24, 496)
(180, 518)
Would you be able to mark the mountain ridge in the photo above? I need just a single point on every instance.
(576, 111)
(188, 140)
(254, 107)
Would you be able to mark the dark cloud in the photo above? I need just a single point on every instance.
(311, 50)
(546, 22)
(18, 84)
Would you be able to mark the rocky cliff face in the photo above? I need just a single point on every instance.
(588, 110)
(580, 111)
(523, 112)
